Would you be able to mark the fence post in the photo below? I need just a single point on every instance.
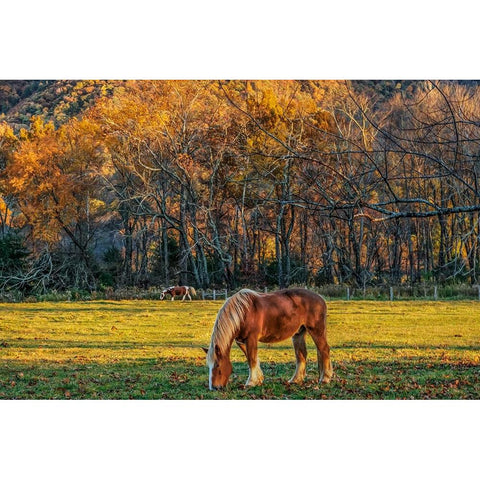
(435, 293)
(391, 294)
(213, 294)
(348, 293)
(266, 290)
(203, 294)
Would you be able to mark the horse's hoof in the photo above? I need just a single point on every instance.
(295, 381)
(251, 384)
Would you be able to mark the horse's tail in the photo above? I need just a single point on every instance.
(192, 291)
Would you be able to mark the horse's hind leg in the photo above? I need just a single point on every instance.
(255, 376)
(301, 356)
(325, 370)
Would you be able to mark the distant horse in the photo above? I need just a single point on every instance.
(177, 290)
(248, 317)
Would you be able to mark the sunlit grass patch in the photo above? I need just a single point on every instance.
(152, 350)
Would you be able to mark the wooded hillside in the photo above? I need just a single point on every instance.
(235, 183)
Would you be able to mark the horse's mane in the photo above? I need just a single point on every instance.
(229, 320)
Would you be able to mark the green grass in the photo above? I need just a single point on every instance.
(152, 350)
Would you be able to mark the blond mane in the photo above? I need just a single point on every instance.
(228, 322)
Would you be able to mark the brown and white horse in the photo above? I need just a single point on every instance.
(177, 290)
(249, 317)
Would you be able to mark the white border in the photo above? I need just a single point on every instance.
(239, 439)
(194, 39)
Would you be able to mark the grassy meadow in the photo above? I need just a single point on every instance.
(152, 350)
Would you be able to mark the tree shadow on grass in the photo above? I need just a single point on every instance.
(387, 346)
(153, 378)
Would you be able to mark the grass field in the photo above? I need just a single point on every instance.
(152, 350)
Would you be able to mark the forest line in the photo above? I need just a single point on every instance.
(236, 183)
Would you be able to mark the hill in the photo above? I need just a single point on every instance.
(59, 100)
(54, 100)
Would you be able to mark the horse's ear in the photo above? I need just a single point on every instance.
(205, 349)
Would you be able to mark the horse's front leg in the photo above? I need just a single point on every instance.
(255, 376)
(242, 347)
(173, 296)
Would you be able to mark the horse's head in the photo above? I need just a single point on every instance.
(162, 295)
(220, 367)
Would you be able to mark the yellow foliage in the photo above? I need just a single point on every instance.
(97, 206)
(53, 172)
(6, 134)
(5, 212)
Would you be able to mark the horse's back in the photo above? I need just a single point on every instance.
(282, 313)
(298, 297)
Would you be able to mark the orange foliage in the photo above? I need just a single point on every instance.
(53, 173)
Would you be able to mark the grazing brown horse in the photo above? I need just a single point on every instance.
(177, 290)
(249, 317)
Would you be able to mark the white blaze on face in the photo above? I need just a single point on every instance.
(210, 368)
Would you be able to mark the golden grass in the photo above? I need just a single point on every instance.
(151, 349)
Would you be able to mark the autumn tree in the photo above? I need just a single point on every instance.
(8, 142)
(53, 177)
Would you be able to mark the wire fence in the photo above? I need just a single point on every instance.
(390, 293)
(330, 292)
(403, 292)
